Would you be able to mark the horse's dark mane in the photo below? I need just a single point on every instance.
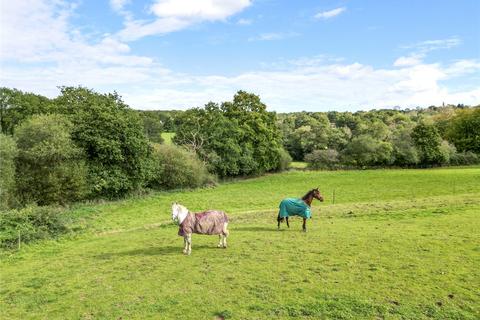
(308, 194)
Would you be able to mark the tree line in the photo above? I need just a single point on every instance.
(86, 145)
(383, 138)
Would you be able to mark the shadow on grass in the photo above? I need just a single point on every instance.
(153, 251)
(258, 229)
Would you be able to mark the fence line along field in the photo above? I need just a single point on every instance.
(397, 244)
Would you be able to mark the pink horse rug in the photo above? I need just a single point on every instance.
(208, 222)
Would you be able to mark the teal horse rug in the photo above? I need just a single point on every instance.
(294, 207)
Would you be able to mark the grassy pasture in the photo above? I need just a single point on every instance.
(167, 137)
(397, 244)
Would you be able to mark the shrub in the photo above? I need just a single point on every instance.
(322, 159)
(285, 160)
(364, 150)
(50, 168)
(31, 223)
(175, 167)
(448, 151)
(8, 152)
(464, 158)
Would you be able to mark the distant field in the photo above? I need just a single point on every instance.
(167, 137)
(397, 244)
(298, 165)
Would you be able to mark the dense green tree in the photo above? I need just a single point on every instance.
(364, 150)
(8, 152)
(322, 159)
(152, 126)
(234, 138)
(428, 141)
(50, 167)
(111, 135)
(404, 151)
(15, 106)
(464, 130)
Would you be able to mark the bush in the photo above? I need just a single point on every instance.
(50, 168)
(31, 223)
(285, 160)
(8, 152)
(175, 167)
(322, 159)
(364, 150)
(464, 158)
(448, 151)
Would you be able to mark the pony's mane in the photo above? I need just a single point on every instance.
(308, 194)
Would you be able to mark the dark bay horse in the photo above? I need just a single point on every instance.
(298, 207)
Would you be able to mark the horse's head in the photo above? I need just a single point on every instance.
(178, 211)
(317, 195)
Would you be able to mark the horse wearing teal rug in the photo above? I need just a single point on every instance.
(298, 207)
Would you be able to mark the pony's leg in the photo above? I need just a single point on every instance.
(220, 241)
(304, 225)
(185, 244)
(189, 243)
(288, 225)
(225, 234)
(278, 221)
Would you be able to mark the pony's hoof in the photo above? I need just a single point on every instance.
(184, 251)
(189, 253)
(224, 247)
(304, 230)
(219, 246)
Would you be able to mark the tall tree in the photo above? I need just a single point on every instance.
(111, 134)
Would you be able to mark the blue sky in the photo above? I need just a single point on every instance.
(297, 55)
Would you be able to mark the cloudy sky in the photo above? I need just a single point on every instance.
(297, 55)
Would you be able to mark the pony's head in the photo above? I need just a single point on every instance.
(315, 193)
(178, 211)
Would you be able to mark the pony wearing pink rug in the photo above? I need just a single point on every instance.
(209, 222)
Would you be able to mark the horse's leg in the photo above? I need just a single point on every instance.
(220, 241)
(225, 234)
(278, 221)
(185, 244)
(189, 243)
(304, 225)
(288, 225)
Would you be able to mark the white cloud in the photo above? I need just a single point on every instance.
(270, 36)
(431, 45)
(40, 51)
(118, 5)
(410, 60)
(174, 15)
(330, 14)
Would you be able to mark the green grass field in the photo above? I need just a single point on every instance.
(397, 244)
(167, 137)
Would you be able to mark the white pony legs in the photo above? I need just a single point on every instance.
(225, 235)
(185, 244)
(220, 240)
(187, 240)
